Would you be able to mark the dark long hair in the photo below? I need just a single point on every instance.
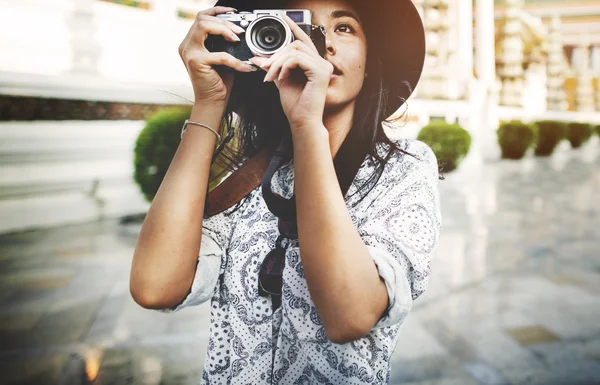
(260, 120)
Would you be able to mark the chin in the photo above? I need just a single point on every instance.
(335, 100)
(339, 96)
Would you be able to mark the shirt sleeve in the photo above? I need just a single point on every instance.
(402, 229)
(216, 234)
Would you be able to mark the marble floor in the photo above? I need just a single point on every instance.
(514, 297)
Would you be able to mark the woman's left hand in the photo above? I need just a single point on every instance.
(302, 99)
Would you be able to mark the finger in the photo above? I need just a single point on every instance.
(286, 69)
(217, 11)
(235, 28)
(259, 61)
(299, 33)
(302, 61)
(213, 27)
(274, 67)
(267, 62)
(282, 67)
(225, 59)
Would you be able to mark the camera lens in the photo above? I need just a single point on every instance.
(269, 38)
(268, 35)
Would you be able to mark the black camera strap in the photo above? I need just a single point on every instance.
(347, 163)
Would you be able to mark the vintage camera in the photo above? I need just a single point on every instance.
(266, 33)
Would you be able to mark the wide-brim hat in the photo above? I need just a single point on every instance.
(393, 27)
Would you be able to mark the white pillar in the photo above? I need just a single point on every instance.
(485, 64)
(585, 91)
(437, 71)
(595, 61)
(596, 72)
(511, 69)
(485, 43)
(556, 68)
(86, 51)
(465, 42)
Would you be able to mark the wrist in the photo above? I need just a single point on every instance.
(208, 113)
(208, 110)
(312, 129)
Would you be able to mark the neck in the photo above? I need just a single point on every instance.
(338, 123)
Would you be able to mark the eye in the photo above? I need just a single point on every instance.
(345, 28)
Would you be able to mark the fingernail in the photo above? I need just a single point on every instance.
(235, 37)
(250, 67)
(239, 29)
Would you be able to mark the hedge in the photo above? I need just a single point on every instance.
(449, 142)
(515, 138)
(155, 148)
(550, 134)
(578, 133)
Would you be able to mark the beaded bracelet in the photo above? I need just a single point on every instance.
(201, 125)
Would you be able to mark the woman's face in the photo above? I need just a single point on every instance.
(346, 47)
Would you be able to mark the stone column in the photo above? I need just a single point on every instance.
(86, 51)
(485, 102)
(485, 56)
(556, 100)
(465, 42)
(585, 90)
(596, 73)
(436, 73)
(511, 62)
(419, 6)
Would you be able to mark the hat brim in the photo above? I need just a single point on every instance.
(394, 29)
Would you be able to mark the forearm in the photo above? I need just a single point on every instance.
(343, 280)
(167, 249)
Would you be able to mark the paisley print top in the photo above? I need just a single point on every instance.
(399, 221)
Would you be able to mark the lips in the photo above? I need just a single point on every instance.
(336, 70)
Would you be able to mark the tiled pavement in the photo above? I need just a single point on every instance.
(514, 297)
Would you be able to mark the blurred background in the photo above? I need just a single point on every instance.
(508, 101)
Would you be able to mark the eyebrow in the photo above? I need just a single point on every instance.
(342, 13)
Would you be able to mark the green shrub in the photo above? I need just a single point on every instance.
(515, 138)
(449, 142)
(578, 133)
(155, 147)
(550, 133)
(598, 129)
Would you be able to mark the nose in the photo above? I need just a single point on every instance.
(329, 45)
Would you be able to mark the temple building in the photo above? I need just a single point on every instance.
(73, 102)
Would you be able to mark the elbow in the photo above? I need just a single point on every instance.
(145, 299)
(151, 299)
(346, 331)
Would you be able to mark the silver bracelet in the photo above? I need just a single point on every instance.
(201, 125)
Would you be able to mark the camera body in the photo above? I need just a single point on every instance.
(266, 33)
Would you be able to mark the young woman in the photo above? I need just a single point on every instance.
(355, 253)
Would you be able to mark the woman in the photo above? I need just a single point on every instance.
(356, 254)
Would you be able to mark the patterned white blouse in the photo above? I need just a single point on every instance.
(399, 221)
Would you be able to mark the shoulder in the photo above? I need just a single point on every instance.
(416, 150)
(413, 158)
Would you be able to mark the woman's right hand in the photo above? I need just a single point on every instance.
(208, 85)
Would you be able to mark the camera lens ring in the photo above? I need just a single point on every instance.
(250, 34)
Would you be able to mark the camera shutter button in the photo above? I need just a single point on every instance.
(244, 23)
